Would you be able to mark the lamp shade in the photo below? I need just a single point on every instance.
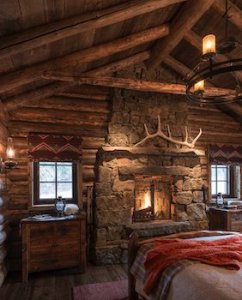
(10, 152)
(199, 87)
(209, 44)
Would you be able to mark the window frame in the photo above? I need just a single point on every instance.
(230, 180)
(36, 201)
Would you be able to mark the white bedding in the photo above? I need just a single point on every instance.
(203, 282)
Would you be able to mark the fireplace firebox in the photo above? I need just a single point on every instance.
(152, 198)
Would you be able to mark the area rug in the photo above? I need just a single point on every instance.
(115, 290)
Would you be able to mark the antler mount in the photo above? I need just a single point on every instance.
(169, 137)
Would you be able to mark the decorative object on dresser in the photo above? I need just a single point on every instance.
(60, 204)
(50, 243)
(225, 219)
(71, 209)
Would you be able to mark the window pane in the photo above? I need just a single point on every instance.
(46, 172)
(222, 187)
(64, 173)
(213, 174)
(214, 191)
(47, 191)
(64, 190)
(222, 174)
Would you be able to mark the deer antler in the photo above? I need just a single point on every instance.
(169, 137)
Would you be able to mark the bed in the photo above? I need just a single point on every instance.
(186, 279)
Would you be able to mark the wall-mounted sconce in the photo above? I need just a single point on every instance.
(10, 162)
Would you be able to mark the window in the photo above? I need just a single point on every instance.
(225, 179)
(221, 179)
(54, 179)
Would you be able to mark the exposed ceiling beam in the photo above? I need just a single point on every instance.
(30, 74)
(58, 87)
(120, 64)
(130, 84)
(177, 66)
(184, 21)
(235, 14)
(42, 35)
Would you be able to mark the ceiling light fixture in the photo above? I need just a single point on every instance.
(208, 68)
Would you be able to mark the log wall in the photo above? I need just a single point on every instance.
(3, 199)
(79, 112)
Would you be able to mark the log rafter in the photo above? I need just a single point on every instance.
(49, 33)
(187, 18)
(58, 87)
(235, 14)
(30, 74)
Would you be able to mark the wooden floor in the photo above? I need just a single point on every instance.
(57, 285)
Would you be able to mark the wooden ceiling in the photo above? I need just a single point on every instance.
(41, 40)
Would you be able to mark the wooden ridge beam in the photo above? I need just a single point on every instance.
(130, 84)
(42, 35)
(235, 14)
(32, 73)
(187, 18)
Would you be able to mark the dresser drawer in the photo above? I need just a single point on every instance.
(236, 222)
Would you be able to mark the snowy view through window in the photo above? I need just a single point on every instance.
(55, 179)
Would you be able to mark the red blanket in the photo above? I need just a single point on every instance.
(224, 252)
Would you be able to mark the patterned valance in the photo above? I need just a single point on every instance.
(225, 154)
(51, 147)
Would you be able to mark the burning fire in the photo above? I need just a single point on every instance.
(147, 200)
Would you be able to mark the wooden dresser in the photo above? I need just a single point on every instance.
(52, 244)
(225, 219)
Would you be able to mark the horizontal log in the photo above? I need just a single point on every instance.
(59, 116)
(66, 103)
(33, 73)
(92, 142)
(132, 84)
(26, 127)
(37, 94)
(49, 33)
(81, 96)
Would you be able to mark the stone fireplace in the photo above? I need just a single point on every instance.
(171, 177)
(173, 181)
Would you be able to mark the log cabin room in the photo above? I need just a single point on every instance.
(121, 149)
